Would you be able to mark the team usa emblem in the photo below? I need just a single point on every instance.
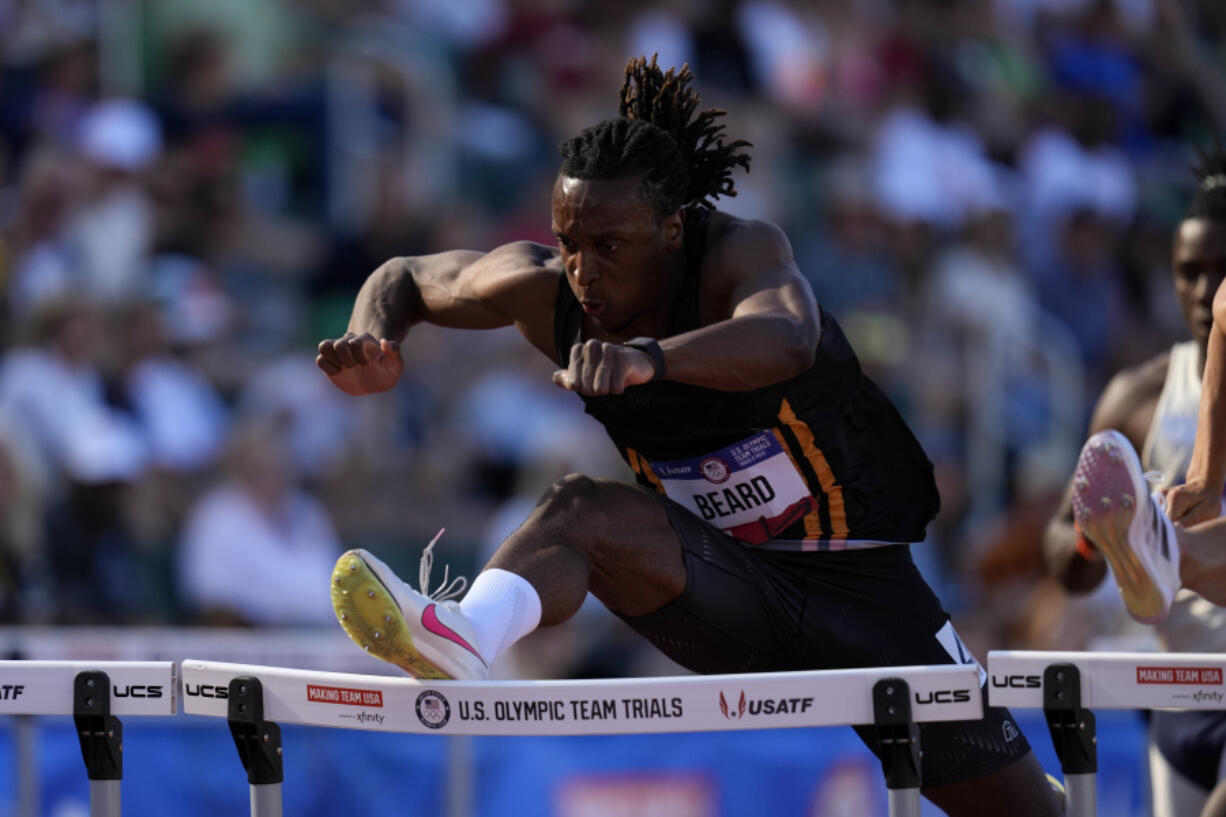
(433, 710)
(740, 707)
(715, 470)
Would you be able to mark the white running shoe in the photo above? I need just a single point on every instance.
(425, 634)
(1115, 511)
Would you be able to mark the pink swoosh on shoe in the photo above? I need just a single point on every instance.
(429, 620)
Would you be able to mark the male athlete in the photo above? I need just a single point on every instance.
(1153, 408)
(778, 489)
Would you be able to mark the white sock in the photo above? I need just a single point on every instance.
(502, 608)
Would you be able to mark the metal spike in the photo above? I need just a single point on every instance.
(353, 566)
(377, 635)
(344, 616)
(370, 594)
(1126, 500)
(1105, 502)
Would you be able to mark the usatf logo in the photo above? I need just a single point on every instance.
(433, 710)
(731, 714)
(763, 706)
(1179, 675)
(11, 692)
(342, 695)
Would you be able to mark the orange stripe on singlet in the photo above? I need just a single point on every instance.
(813, 519)
(830, 486)
(642, 467)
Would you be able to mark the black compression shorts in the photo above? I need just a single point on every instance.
(749, 610)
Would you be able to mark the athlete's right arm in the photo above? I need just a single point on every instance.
(1072, 569)
(1200, 497)
(460, 288)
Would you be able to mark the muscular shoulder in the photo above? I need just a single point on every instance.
(748, 243)
(741, 250)
(519, 263)
(1130, 399)
(516, 278)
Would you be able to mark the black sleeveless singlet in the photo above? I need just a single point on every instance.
(819, 462)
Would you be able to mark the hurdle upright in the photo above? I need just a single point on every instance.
(1067, 686)
(893, 699)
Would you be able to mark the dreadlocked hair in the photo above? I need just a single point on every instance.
(679, 161)
(1209, 200)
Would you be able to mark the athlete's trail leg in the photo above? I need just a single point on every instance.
(608, 537)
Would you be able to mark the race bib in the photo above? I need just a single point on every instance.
(750, 490)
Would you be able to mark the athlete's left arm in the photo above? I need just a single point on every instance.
(769, 327)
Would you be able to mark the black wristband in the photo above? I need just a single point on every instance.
(653, 350)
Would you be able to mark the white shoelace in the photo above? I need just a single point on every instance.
(1152, 480)
(450, 588)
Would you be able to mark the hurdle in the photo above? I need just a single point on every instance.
(1067, 686)
(256, 699)
(95, 694)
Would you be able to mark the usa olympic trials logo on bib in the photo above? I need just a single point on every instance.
(715, 470)
(433, 710)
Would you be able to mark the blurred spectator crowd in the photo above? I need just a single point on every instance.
(983, 193)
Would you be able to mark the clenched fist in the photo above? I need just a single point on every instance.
(1193, 502)
(361, 364)
(599, 368)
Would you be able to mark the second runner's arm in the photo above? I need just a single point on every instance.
(1200, 497)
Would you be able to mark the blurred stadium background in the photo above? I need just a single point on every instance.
(983, 192)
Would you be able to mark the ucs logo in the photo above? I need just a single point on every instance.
(206, 691)
(1016, 681)
(137, 691)
(944, 696)
(740, 706)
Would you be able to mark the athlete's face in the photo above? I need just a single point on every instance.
(618, 254)
(1200, 265)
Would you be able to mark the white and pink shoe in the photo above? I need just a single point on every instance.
(1116, 512)
(424, 634)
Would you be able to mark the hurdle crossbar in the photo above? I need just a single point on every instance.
(619, 706)
(893, 699)
(46, 687)
(1113, 680)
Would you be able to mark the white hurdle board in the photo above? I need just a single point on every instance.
(589, 707)
(46, 687)
(1113, 680)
